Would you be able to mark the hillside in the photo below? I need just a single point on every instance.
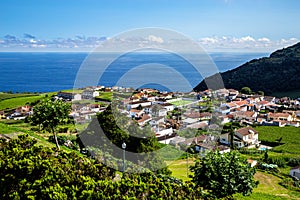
(278, 73)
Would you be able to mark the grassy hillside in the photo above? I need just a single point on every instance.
(274, 74)
(269, 188)
(18, 101)
(290, 142)
(4, 96)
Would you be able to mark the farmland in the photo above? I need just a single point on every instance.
(290, 138)
(11, 103)
(181, 102)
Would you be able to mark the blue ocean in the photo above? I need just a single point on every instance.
(46, 72)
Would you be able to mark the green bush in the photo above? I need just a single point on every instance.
(279, 161)
(294, 162)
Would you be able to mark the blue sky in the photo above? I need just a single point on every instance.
(273, 20)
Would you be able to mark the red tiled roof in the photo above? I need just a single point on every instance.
(246, 131)
(286, 115)
(144, 118)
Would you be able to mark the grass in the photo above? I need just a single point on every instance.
(106, 96)
(181, 102)
(6, 129)
(19, 101)
(77, 91)
(4, 96)
(290, 142)
(179, 168)
(269, 188)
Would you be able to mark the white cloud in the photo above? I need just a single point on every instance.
(154, 38)
(208, 40)
(246, 43)
(79, 43)
(264, 39)
(247, 39)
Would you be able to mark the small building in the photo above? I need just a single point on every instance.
(252, 163)
(89, 94)
(143, 119)
(279, 116)
(246, 137)
(69, 96)
(295, 172)
(2, 115)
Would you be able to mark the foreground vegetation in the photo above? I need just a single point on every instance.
(30, 171)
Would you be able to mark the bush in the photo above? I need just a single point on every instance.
(61, 139)
(279, 161)
(293, 162)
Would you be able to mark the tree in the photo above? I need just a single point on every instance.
(224, 174)
(113, 128)
(246, 90)
(261, 93)
(266, 156)
(49, 114)
(30, 171)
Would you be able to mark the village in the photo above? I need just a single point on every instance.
(194, 120)
(168, 114)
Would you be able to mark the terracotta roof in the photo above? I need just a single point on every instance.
(278, 114)
(241, 103)
(144, 118)
(246, 131)
(249, 113)
(263, 102)
(135, 110)
(193, 115)
(231, 104)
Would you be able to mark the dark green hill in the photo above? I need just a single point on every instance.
(278, 73)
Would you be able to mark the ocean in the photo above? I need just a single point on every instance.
(46, 72)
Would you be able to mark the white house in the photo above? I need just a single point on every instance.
(279, 116)
(162, 112)
(69, 96)
(224, 139)
(223, 109)
(168, 106)
(144, 119)
(156, 121)
(135, 113)
(89, 94)
(136, 104)
(295, 172)
(245, 137)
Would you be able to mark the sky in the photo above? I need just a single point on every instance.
(228, 25)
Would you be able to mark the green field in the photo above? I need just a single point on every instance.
(77, 91)
(290, 142)
(181, 102)
(179, 168)
(18, 101)
(269, 188)
(106, 96)
(4, 96)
